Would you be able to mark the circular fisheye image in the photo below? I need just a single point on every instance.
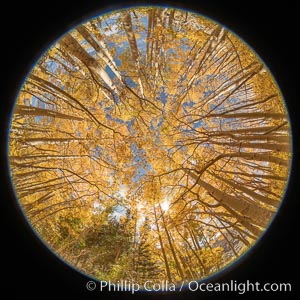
(149, 143)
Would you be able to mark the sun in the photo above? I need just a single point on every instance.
(165, 205)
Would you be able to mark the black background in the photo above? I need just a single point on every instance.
(27, 29)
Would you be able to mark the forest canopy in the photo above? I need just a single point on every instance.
(149, 143)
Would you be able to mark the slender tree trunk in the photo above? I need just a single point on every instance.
(259, 215)
(127, 24)
(171, 245)
(252, 194)
(75, 49)
(248, 115)
(36, 111)
(102, 54)
(162, 246)
(274, 147)
(194, 252)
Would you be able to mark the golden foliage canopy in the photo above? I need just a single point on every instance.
(149, 143)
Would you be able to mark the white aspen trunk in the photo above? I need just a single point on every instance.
(255, 115)
(36, 111)
(252, 194)
(75, 49)
(258, 215)
(127, 24)
(274, 147)
(100, 53)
